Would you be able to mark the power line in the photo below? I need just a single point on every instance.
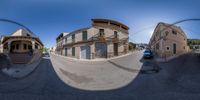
(17, 23)
(189, 29)
(143, 29)
(180, 21)
(177, 22)
(140, 31)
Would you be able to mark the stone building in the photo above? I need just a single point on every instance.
(19, 44)
(168, 41)
(104, 39)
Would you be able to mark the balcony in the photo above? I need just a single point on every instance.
(115, 38)
(99, 37)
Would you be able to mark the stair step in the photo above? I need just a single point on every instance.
(20, 58)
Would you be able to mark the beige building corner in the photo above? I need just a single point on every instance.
(168, 41)
(52, 49)
(104, 39)
(19, 45)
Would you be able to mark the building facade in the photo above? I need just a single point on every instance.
(168, 41)
(104, 39)
(20, 41)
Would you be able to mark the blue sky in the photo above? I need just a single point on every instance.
(48, 18)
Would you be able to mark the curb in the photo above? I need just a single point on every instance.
(16, 72)
(163, 60)
(94, 60)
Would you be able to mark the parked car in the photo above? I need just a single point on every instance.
(197, 52)
(46, 54)
(148, 54)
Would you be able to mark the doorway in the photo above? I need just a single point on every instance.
(174, 48)
(101, 50)
(115, 47)
(85, 52)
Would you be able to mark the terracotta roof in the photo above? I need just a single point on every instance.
(5, 38)
(109, 20)
(177, 28)
(174, 27)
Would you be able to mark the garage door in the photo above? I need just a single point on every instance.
(101, 50)
(85, 52)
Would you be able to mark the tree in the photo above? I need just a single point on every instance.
(192, 42)
(132, 46)
(45, 49)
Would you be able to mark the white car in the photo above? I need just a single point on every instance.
(46, 54)
(197, 51)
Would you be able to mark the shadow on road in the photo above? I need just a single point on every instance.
(48, 85)
(129, 91)
(149, 66)
(123, 67)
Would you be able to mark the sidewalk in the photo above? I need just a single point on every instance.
(93, 60)
(20, 70)
(4, 62)
(158, 59)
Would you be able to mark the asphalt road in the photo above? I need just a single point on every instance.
(178, 80)
(98, 75)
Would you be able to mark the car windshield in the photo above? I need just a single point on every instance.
(99, 49)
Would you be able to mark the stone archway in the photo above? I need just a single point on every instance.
(20, 46)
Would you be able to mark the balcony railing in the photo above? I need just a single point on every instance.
(97, 37)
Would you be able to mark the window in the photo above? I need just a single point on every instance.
(166, 33)
(174, 48)
(27, 34)
(65, 51)
(73, 38)
(84, 35)
(167, 48)
(29, 47)
(66, 40)
(101, 32)
(13, 47)
(174, 32)
(17, 46)
(115, 34)
(157, 33)
(73, 51)
(25, 46)
(36, 46)
(157, 46)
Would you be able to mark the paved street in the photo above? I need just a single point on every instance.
(178, 79)
(98, 75)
